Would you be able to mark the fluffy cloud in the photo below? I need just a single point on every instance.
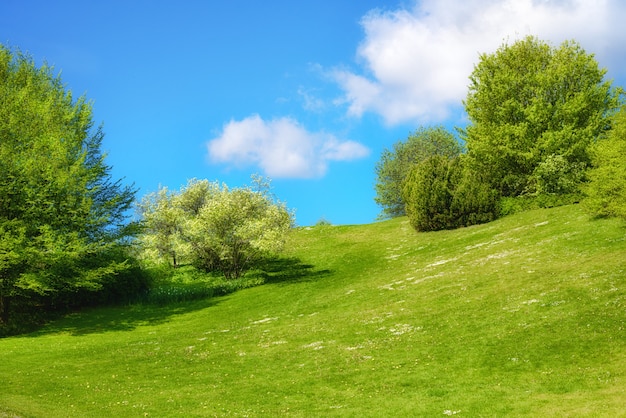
(416, 62)
(280, 147)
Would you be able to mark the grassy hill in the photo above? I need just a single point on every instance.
(525, 316)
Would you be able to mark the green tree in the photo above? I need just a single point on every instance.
(606, 190)
(445, 193)
(60, 211)
(474, 201)
(534, 110)
(162, 219)
(218, 228)
(395, 164)
(428, 193)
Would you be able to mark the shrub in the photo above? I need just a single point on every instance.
(443, 193)
(556, 175)
(606, 190)
(394, 165)
(474, 200)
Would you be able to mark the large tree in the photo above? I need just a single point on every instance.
(60, 211)
(534, 110)
(395, 164)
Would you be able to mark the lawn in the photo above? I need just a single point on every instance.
(524, 316)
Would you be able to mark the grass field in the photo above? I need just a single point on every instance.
(524, 316)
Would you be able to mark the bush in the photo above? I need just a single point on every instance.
(119, 287)
(474, 201)
(443, 193)
(556, 175)
(428, 196)
(124, 285)
(323, 222)
(394, 165)
(606, 190)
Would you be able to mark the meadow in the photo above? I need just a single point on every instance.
(524, 316)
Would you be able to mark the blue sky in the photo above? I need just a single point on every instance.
(308, 93)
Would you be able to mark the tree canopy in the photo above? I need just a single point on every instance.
(214, 227)
(395, 164)
(534, 110)
(60, 210)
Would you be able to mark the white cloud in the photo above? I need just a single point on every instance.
(310, 102)
(416, 62)
(280, 147)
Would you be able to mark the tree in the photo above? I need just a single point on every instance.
(474, 201)
(395, 164)
(218, 228)
(162, 219)
(428, 194)
(606, 190)
(535, 109)
(60, 211)
(445, 193)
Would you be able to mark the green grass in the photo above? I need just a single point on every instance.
(186, 283)
(524, 316)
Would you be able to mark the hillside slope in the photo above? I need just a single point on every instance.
(521, 317)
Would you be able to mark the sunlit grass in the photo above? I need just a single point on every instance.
(521, 317)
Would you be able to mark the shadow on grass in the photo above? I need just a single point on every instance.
(129, 317)
(289, 270)
(121, 318)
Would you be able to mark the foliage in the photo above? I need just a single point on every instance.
(534, 110)
(474, 201)
(60, 211)
(428, 194)
(556, 175)
(444, 193)
(606, 190)
(517, 204)
(214, 227)
(162, 219)
(395, 164)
